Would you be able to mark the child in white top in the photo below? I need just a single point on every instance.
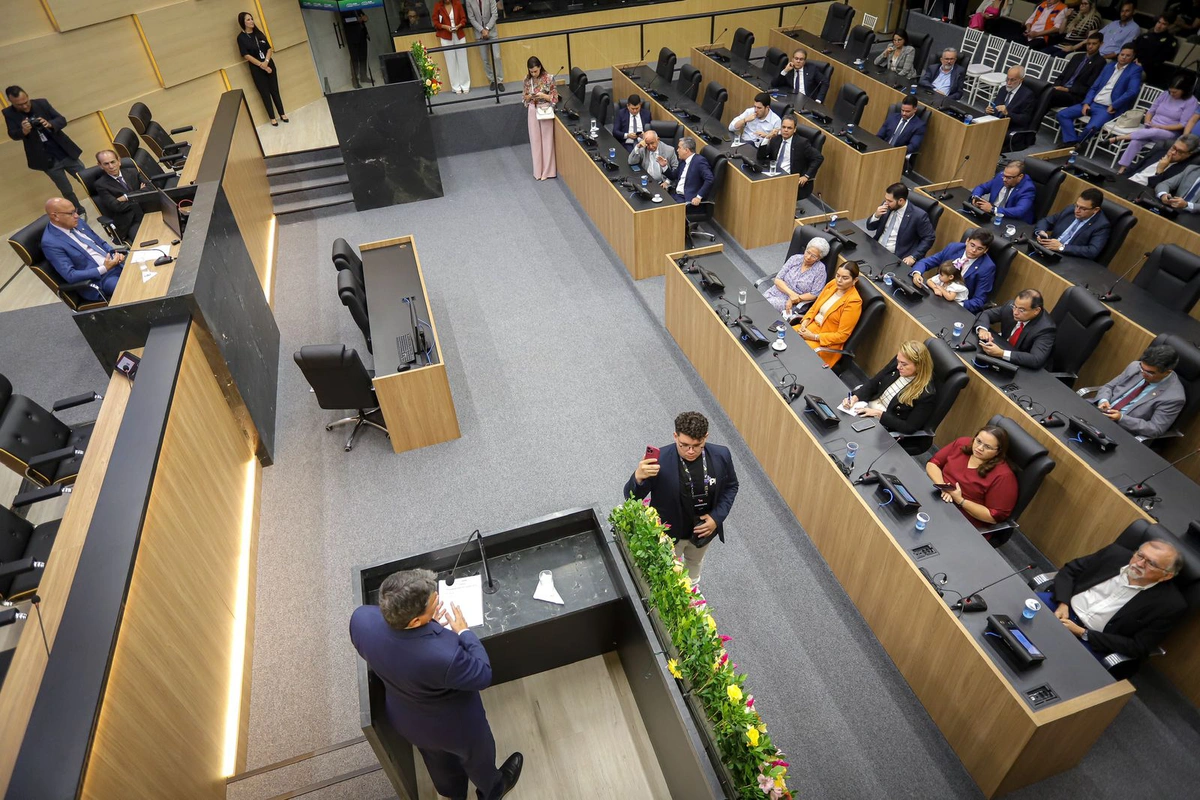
(948, 283)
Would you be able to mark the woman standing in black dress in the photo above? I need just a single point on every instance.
(257, 51)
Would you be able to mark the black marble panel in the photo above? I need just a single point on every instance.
(387, 143)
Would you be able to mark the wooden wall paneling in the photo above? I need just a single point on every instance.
(161, 727)
(600, 49)
(74, 14)
(298, 83)
(249, 194)
(283, 21)
(420, 400)
(51, 67)
(759, 22)
(193, 38)
(24, 19)
(679, 36)
(191, 103)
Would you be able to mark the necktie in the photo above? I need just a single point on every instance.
(121, 178)
(797, 81)
(962, 263)
(1070, 232)
(1016, 334)
(1130, 396)
(899, 128)
(1191, 195)
(1000, 198)
(1082, 63)
(96, 256)
(785, 153)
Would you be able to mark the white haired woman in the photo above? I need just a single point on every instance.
(801, 279)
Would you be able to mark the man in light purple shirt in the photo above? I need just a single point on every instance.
(1120, 31)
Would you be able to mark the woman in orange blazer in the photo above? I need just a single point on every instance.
(832, 316)
(449, 20)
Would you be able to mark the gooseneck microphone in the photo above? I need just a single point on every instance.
(945, 192)
(973, 602)
(719, 35)
(868, 476)
(800, 18)
(788, 386)
(1143, 489)
(489, 586)
(962, 345)
(1107, 296)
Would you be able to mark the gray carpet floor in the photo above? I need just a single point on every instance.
(562, 372)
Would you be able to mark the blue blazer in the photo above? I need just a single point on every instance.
(910, 137)
(666, 494)
(1126, 90)
(432, 676)
(1087, 242)
(915, 236)
(1020, 200)
(979, 280)
(699, 179)
(621, 124)
(73, 264)
(957, 75)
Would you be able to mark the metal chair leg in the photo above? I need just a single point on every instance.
(353, 433)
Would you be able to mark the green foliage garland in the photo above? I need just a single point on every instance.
(431, 73)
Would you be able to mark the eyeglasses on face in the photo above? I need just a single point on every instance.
(1140, 556)
(982, 445)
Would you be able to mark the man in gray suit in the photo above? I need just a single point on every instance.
(1181, 191)
(1147, 396)
(654, 156)
(482, 16)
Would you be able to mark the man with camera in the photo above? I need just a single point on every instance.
(47, 148)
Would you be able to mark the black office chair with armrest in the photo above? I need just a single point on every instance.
(1172, 276)
(825, 70)
(35, 443)
(665, 67)
(165, 149)
(950, 377)
(782, 109)
(153, 171)
(859, 42)
(24, 550)
(599, 105)
(715, 97)
(126, 143)
(88, 177)
(1082, 321)
(354, 297)
(815, 136)
(774, 61)
(801, 236)
(27, 243)
(339, 380)
(1120, 222)
(344, 258)
(577, 83)
(1023, 139)
(1031, 463)
(929, 205)
(697, 215)
(668, 130)
(850, 104)
(922, 43)
(743, 43)
(689, 81)
(838, 20)
(140, 118)
(1139, 532)
(873, 306)
(1047, 178)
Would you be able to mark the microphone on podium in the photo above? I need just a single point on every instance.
(1143, 489)
(489, 587)
(973, 602)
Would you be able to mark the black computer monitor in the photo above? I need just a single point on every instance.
(170, 212)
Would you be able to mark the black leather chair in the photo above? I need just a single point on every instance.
(815, 136)
(1120, 221)
(600, 105)
(715, 97)
(153, 171)
(929, 205)
(1031, 463)
(1187, 581)
(1002, 252)
(689, 81)
(354, 297)
(838, 20)
(1172, 276)
(801, 236)
(1024, 138)
(860, 42)
(1082, 321)
(667, 129)
(1047, 178)
(950, 376)
(344, 258)
(126, 143)
(665, 67)
(921, 43)
(27, 243)
(782, 109)
(825, 70)
(873, 305)
(577, 83)
(35, 443)
(743, 43)
(339, 380)
(774, 61)
(850, 104)
(697, 215)
(88, 177)
(23, 546)
(140, 118)
(164, 147)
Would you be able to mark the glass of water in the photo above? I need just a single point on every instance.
(851, 452)
(922, 520)
(1031, 608)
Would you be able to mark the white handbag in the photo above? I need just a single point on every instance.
(545, 111)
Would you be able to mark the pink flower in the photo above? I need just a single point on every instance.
(725, 638)
(646, 500)
(695, 590)
(766, 783)
(666, 527)
(778, 763)
(776, 793)
(698, 603)
(724, 658)
(750, 702)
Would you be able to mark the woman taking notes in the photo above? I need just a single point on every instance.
(976, 476)
(255, 48)
(832, 316)
(902, 395)
(539, 96)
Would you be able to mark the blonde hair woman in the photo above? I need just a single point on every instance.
(901, 396)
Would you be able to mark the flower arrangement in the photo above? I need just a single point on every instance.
(429, 72)
(702, 664)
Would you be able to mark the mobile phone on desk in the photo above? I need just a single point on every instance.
(652, 452)
(635, 168)
(859, 427)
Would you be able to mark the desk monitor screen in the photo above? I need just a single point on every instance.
(170, 212)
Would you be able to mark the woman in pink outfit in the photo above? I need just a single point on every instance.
(540, 92)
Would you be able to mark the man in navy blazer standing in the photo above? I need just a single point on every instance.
(692, 485)
(77, 253)
(973, 262)
(631, 122)
(945, 77)
(901, 227)
(693, 176)
(1010, 191)
(1079, 230)
(904, 128)
(433, 676)
(1113, 93)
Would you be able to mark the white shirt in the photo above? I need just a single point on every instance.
(1099, 604)
(963, 263)
(785, 155)
(797, 82)
(756, 128)
(1001, 196)
(892, 230)
(1104, 96)
(635, 123)
(86, 245)
(1143, 177)
(682, 182)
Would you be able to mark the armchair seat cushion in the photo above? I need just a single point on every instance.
(27, 430)
(40, 545)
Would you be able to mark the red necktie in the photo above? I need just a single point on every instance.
(1129, 398)
(1016, 334)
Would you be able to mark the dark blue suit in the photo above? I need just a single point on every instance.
(1019, 111)
(1018, 204)
(621, 124)
(433, 678)
(666, 494)
(957, 75)
(73, 264)
(910, 138)
(1124, 94)
(699, 179)
(979, 279)
(1087, 242)
(915, 236)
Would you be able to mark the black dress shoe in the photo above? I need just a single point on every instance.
(491, 86)
(500, 86)
(510, 770)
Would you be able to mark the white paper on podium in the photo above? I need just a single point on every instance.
(467, 594)
(148, 256)
(545, 589)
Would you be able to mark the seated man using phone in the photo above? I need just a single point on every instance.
(1027, 332)
(692, 485)
(1079, 230)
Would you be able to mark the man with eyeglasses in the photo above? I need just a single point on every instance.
(78, 254)
(1164, 161)
(1010, 191)
(692, 485)
(1147, 396)
(1181, 192)
(946, 76)
(1120, 601)
(1026, 332)
(1080, 230)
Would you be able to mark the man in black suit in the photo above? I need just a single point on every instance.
(1014, 100)
(945, 77)
(793, 154)
(693, 176)
(631, 121)
(112, 190)
(47, 148)
(901, 227)
(1119, 601)
(1026, 331)
(1163, 162)
(1079, 230)
(800, 77)
(904, 128)
(1072, 84)
(692, 485)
